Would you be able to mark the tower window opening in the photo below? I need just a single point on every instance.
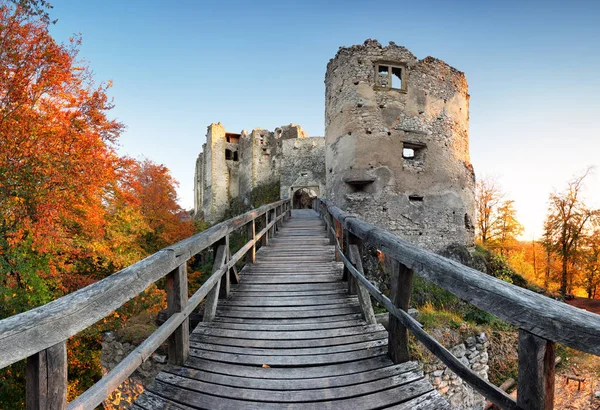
(415, 198)
(228, 155)
(397, 78)
(235, 156)
(408, 153)
(390, 77)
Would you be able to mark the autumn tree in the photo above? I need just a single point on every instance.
(566, 220)
(487, 197)
(154, 188)
(57, 154)
(505, 226)
(591, 257)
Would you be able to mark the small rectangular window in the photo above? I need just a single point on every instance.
(390, 76)
(227, 154)
(408, 153)
(235, 156)
(397, 78)
(415, 198)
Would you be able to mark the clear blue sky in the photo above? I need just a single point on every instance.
(533, 69)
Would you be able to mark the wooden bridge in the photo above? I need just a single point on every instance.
(291, 336)
(295, 328)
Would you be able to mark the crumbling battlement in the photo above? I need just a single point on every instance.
(396, 149)
(397, 141)
(231, 165)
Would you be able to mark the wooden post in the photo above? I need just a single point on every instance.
(347, 275)
(364, 298)
(330, 234)
(265, 237)
(47, 379)
(251, 229)
(177, 298)
(210, 305)
(535, 390)
(401, 288)
(225, 286)
(339, 234)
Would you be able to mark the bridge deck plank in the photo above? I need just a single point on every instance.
(291, 336)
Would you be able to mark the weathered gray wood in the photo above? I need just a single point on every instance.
(274, 360)
(288, 349)
(287, 321)
(265, 236)
(177, 298)
(401, 288)
(363, 295)
(340, 380)
(285, 327)
(225, 285)
(216, 400)
(288, 314)
(210, 305)
(251, 233)
(538, 314)
(47, 379)
(292, 335)
(482, 386)
(427, 401)
(296, 344)
(234, 277)
(19, 334)
(290, 301)
(535, 390)
(266, 393)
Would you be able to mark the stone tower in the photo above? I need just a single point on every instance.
(397, 138)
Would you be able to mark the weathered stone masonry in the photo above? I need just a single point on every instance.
(396, 131)
(231, 165)
(396, 149)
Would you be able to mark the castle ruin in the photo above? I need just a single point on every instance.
(231, 165)
(395, 151)
(397, 138)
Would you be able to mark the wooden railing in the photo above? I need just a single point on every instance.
(541, 321)
(40, 334)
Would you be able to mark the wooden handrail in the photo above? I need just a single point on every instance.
(541, 320)
(38, 330)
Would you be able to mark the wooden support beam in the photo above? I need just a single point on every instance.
(177, 298)
(265, 237)
(251, 229)
(210, 305)
(340, 237)
(225, 286)
(363, 294)
(234, 277)
(346, 274)
(401, 288)
(47, 379)
(536, 372)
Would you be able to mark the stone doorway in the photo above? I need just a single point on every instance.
(303, 197)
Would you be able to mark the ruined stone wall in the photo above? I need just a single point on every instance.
(303, 165)
(266, 157)
(399, 156)
(232, 167)
(473, 353)
(113, 352)
(199, 185)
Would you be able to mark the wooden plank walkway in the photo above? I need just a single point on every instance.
(291, 337)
